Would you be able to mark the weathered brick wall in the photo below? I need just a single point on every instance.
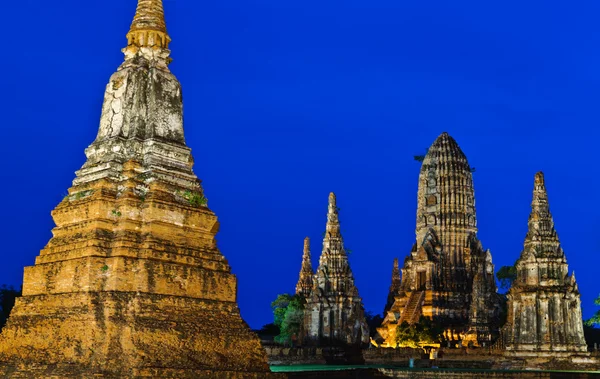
(431, 374)
(484, 359)
(448, 374)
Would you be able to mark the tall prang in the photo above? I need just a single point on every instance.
(544, 306)
(334, 313)
(132, 283)
(394, 287)
(447, 276)
(305, 280)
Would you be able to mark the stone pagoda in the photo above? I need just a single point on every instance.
(334, 313)
(305, 281)
(447, 276)
(132, 283)
(394, 287)
(544, 307)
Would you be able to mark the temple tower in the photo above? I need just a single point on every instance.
(394, 287)
(132, 283)
(334, 313)
(447, 260)
(544, 307)
(305, 281)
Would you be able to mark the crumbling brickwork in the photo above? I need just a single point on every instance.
(132, 283)
(305, 280)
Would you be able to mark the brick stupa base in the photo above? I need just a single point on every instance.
(122, 290)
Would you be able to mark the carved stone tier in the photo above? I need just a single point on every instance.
(394, 287)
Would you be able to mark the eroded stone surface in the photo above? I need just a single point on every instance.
(132, 283)
(448, 275)
(334, 312)
(305, 281)
(544, 306)
(394, 287)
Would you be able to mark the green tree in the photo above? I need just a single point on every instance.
(288, 312)
(506, 275)
(426, 331)
(8, 295)
(269, 330)
(595, 320)
(406, 335)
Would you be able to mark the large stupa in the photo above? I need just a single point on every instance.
(132, 283)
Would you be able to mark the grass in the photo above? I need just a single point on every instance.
(195, 199)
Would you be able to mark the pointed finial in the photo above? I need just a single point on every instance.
(539, 180)
(307, 246)
(394, 287)
(332, 200)
(541, 238)
(149, 28)
(540, 195)
(332, 229)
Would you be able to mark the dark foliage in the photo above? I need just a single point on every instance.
(269, 330)
(506, 275)
(592, 336)
(373, 321)
(422, 333)
(8, 295)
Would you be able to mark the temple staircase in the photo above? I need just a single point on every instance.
(412, 310)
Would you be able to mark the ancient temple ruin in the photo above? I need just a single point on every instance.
(305, 281)
(334, 313)
(544, 307)
(394, 287)
(132, 283)
(447, 276)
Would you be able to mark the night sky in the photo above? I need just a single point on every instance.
(286, 101)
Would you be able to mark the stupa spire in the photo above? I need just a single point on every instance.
(337, 311)
(148, 28)
(541, 235)
(333, 222)
(394, 287)
(305, 282)
(143, 106)
(543, 294)
(395, 276)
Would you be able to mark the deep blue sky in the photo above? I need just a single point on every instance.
(287, 101)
